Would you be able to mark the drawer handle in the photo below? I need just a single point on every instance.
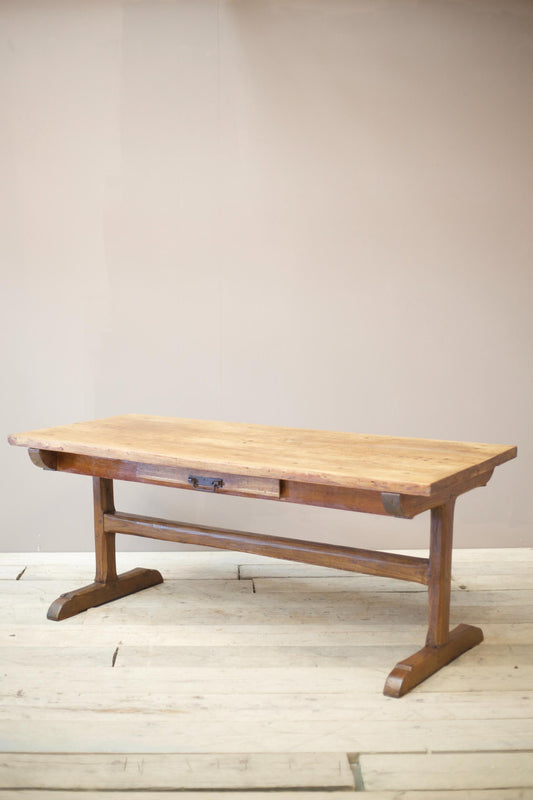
(205, 484)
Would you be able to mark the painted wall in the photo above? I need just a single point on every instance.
(313, 213)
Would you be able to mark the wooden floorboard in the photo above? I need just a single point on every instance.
(261, 678)
(195, 794)
(277, 794)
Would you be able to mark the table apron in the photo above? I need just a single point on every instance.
(379, 502)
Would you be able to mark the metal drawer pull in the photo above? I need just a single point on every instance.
(205, 484)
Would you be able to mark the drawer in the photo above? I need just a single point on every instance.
(206, 481)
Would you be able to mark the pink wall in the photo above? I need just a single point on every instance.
(311, 212)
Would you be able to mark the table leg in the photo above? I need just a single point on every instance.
(442, 645)
(107, 584)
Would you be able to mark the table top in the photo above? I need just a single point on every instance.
(380, 463)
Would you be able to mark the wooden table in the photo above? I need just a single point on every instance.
(398, 477)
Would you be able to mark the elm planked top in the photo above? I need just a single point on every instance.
(379, 463)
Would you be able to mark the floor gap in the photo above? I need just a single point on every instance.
(355, 766)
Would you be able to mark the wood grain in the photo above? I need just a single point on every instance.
(281, 794)
(434, 771)
(170, 733)
(325, 496)
(179, 794)
(413, 670)
(97, 593)
(165, 771)
(105, 552)
(378, 463)
(221, 668)
(440, 574)
(370, 562)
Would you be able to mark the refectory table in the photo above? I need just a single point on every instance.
(399, 477)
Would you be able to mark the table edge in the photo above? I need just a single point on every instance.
(449, 482)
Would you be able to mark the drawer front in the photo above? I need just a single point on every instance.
(182, 477)
(206, 481)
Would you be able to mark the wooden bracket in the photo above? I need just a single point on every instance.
(45, 459)
(392, 503)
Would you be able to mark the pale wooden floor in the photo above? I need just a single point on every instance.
(246, 673)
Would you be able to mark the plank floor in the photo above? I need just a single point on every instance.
(261, 679)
